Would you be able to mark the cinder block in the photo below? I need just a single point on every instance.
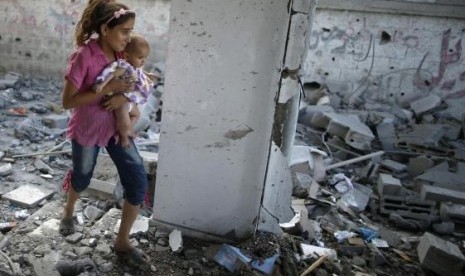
(440, 256)
(429, 192)
(56, 121)
(454, 212)
(394, 166)
(388, 185)
(425, 104)
(409, 207)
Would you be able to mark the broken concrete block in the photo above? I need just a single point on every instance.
(388, 185)
(391, 237)
(393, 166)
(422, 135)
(440, 256)
(351, 129)
(28, 196)
(175, 240)
(425, 104)
(408, 207)
(308, 160)
(306, 116)
(140, 225)
(454, 110)
(443, 176)
(49, 229)
(453, 130)
(150, 160)
(418, 165)
(387, 135)
(5, 169)
(444, 228)
(56, 121)
(452, 212)
(429, 192)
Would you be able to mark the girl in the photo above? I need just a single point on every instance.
(102, 34)
(135, 54)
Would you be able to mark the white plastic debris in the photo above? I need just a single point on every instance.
(316, 252)
(343, 235)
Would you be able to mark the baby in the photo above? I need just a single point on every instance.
(130, 68)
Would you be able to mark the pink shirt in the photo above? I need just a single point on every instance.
(89, 125)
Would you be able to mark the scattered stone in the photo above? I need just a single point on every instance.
(6, 169)
(28, 195)
(74, 238)
(440, 256)
(175, 240)
(388, 185)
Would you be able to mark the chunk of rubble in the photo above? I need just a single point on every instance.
(388, 185)
(424, 135)
(347, 126)
(440, 256)
(175, 240)
(6, 169)
(425, 104)
(28, 196)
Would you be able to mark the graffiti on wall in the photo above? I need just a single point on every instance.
(401, 64)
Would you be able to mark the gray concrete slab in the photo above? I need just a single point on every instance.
(28, 196)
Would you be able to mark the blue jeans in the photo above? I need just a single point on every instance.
(128, 163)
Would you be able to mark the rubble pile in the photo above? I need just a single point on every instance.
(382, 184)
(377, 190)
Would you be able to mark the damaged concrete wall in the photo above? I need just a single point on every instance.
(387, 50)
(278, 185)
(36, 37)
(223, 73)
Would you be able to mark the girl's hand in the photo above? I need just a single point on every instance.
(114, 102)
(117, 86)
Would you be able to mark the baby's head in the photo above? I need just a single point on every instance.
(137, 50)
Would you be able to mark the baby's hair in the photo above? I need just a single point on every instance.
(97, 13)
(137, 42)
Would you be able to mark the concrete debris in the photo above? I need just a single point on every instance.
(388, 185)
(348, 127)
(6, 169)
(415, 163)
(28, 196)
(440, 256)
(425, 104)
(356, 190)
(175, 240)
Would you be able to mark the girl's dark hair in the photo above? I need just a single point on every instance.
(97, 13)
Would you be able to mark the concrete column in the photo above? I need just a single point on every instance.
(221, 117)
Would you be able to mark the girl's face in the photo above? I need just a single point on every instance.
(118, 37)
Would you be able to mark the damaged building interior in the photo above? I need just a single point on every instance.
(297, 137)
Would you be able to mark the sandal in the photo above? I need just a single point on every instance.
(135, 255)
(66, 226)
